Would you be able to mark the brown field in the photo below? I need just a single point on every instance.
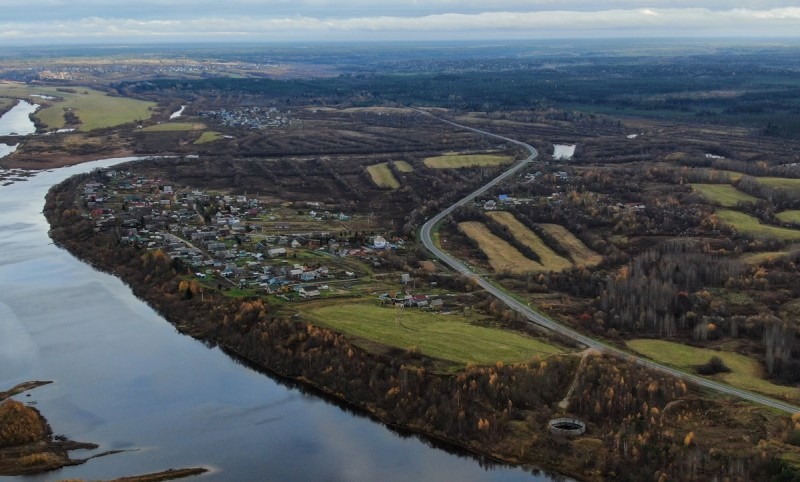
(502, 256)
(550, 260)
(580, 254)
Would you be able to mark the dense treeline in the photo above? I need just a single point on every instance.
(661, 89)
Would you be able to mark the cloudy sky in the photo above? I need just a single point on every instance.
(134, 21)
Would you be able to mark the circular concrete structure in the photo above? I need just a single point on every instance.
(567, 427)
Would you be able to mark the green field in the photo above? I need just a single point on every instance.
(550, 260)
(758, 258)
(745, 223)
(580, 254)
(780, 183)
(455, 161)
(792, 216)
(723, 194)
(173, 127)
(502, 256)
(745, 372)
(208, 136)
(382, 176)
(448, 337)
(403, 166)
(95, 109)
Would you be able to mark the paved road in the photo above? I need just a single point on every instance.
(541, 320)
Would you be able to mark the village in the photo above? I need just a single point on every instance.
(253, 246)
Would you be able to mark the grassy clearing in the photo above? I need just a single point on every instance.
(580, 254)
(95, 109)
(750, 225)
(382, 176)
(745, 372)
(208, 136)
(550, 260)
(723, 194)
(502, 256)
(792, 216)
(449, 337)
(403, 166)
(174, 126)
(780, 183)
(758, 258)
(455, 161)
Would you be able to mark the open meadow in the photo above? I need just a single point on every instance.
(745, 372)
(208, 136)
(747, 224)
(581, 255)
(382, 176)
(723, 194)
(502, 256)
(175, 126)
(550, 260)
(95, 109)
(455, 161)
(403, 166)
(451, 337)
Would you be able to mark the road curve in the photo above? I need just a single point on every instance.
(545, 322)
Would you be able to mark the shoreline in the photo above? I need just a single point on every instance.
(478, 409)
(486, 447)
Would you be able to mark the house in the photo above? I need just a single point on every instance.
(276, 252)
(309, 293)
(379, 242)
(405, 278)
(437, 304)
(295, 243)
(308, 276)
(490, 204)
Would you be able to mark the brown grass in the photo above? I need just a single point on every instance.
(580, 254)
(550, 260)
(502, 256)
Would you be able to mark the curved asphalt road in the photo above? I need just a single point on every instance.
(541, 320)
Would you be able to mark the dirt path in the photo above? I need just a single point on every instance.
(563, 404)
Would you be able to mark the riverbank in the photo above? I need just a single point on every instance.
(27, 444)
(53, 159)
(637, 420)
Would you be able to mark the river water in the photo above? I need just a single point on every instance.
(17, 121)
(125, 379)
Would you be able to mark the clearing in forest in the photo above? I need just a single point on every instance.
(791, 216)
(751, 225)
(758, 258)
(723, 194)
(550, 260)
(455, 161)
(382, 176)
(174, 127)
(208, 136)
(449, 337)
(745, 372)
(403, 166)
(502, 256)
(581, 255)
(783, 183)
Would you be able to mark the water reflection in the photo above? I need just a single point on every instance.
(124, 378)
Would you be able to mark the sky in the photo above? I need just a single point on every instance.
(25, 22)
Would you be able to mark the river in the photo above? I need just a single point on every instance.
(17, 121)
(124, 378)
